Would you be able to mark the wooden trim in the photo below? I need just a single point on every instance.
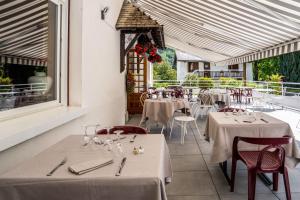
(122, 51)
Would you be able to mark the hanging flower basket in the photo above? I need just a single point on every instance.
(144, 47)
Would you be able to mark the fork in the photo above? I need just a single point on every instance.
(59, 165)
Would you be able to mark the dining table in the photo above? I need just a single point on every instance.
(223, 127)
(162, 110)
(143, 175)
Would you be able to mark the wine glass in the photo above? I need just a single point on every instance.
(298, 126)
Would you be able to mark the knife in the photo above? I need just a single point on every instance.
(264, 120)
(121, 166)
(132, 140)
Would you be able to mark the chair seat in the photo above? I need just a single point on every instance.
(269, 161)
(184, 118)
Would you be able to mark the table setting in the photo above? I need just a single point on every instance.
(222, 127)
(112, 166)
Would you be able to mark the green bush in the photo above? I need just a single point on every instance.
(229, 82)
(196, 81)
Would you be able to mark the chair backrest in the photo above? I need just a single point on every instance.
(143, 97)
(205, 99)
(129, 129)
(274, 144)
(230, 109)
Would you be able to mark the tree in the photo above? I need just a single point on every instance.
(267, 67)
(164, 71)
(169, 56)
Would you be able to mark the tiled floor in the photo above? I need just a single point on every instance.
(195, 178)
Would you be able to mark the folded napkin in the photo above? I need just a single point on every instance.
(88, 166)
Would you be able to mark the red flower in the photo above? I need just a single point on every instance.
(139, 49)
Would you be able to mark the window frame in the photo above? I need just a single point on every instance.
(61, 72)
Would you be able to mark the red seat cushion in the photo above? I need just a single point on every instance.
(269, 161)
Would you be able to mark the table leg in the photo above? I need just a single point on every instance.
(223, 166)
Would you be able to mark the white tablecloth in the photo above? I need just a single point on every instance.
(161, 111)
(143, 176)
(222, 129)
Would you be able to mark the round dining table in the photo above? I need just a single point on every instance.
(162, 110)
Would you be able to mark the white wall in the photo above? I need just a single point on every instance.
(181, 70)
(102, 84)
(249, 72)
(95, 80)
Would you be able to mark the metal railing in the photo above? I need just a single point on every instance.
(218, 74)
(19, 89)
(276, 88)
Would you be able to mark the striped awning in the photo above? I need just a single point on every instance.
(24, 32)
(232, 31)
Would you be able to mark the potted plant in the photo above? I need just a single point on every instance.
(130, 83)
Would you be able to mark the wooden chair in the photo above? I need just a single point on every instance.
(143, 97)
(269, 160)
(127, 129)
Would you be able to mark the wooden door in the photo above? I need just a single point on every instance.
(137, 65)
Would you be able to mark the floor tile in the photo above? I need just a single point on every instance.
(188, 163)
(245, 197)
(183, 149)
(211, 197)
(191, 183)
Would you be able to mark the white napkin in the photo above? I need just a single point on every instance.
(88, 166)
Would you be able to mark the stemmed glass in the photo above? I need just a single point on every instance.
(298, 126)
(88, 138)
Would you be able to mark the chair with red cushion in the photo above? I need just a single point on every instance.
(229, 109)
(271, 159)
(126, 130)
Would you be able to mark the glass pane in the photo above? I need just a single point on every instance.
(28, 53)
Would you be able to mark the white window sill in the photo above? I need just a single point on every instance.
(17, 130)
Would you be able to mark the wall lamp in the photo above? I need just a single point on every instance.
(103, 12)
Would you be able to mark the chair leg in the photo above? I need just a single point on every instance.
(251, 184)
(182, 133)
(172, 124)
(162, 129)
(233, 171)
(197, 127)
(287, 184)
(275, 181)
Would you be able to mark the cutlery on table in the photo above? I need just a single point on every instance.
(58, 166)
(236, 120)
(132, 140)
(264, 120)
(121, 166)
(116, 139)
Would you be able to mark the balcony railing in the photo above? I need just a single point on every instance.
(218, 74)
(277, 88)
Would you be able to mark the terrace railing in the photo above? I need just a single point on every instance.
(277, 88)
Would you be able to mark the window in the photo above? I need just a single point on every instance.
(30, 52)
(192, 66)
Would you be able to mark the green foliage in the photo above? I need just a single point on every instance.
(161, 84)
(229, 82)
(195, 80)
(267, 67)
(169, 56)
(275, 78)
(5, 81)
(290, 66)
(164, 71)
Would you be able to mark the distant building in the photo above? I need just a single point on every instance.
(187, 63)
